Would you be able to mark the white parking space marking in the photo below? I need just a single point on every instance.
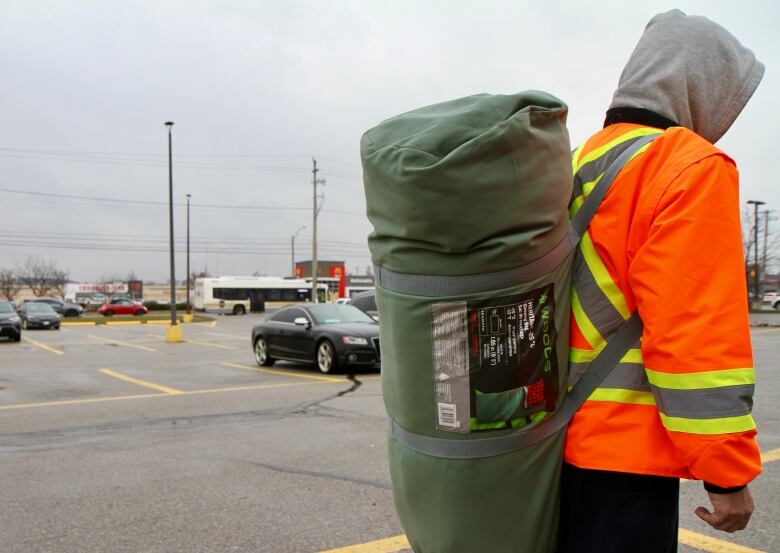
(228, 336)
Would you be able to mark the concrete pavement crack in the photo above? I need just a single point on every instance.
(318, 474)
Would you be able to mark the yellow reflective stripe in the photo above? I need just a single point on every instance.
(700, 380)
(587, 188)
(726, 425)
(619, 395)
(595, 340)
(602, 277)
(600, 151)
(576, 355)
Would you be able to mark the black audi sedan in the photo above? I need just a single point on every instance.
(38, 315)
(331, 336)
(10, 324)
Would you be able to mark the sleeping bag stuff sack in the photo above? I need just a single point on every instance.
(473, 254)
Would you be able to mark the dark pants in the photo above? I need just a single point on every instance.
(613, 512)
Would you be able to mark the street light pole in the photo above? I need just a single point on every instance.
(189, 303)
(314, 267)
(292, 247)
(755, 203)
(174, 332)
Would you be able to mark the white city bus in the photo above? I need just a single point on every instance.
(240, 295)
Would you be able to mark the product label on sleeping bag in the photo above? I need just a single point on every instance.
(495, 362)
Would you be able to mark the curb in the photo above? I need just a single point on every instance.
(129, 323)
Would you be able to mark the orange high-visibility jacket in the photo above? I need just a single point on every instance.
(667, 241)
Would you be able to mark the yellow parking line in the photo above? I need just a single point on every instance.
(146, 383)
(713, 545)
(143, 396)
(122, 323)
(282, 372)
(126, 344)
(387, 545)
(692, 539)
(770, 456)
(208, 344)
(43, 346)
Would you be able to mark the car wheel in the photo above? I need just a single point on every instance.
(239, 310)
(109, 313)
(139, 313)
(56, 327)
(777, 305)
(71, 313)
(261, 353)
(326, 357)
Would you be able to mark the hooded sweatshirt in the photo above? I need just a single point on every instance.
(666, 242)
(689, 70)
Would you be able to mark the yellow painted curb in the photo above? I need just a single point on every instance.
(88, 323)
(122, 323)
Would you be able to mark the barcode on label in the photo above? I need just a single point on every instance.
(448, 415)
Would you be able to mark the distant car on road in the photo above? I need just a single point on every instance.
(366, 302)
(122, 307)
(773, 299)
(329, 335)
(10, 323)
(64, 308)
(35, 314)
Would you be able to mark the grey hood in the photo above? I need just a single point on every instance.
(690, 70)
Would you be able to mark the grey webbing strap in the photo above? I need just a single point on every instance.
(619, 343)
(433, 286)
(592, 202)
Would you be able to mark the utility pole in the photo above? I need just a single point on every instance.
(189, 303)
(174, 332)
(756, 297)
(314, 268)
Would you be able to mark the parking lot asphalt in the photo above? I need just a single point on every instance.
(113, 440)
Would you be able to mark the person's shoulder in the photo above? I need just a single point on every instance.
(683, 146)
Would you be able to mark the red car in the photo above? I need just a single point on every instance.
(122, 307)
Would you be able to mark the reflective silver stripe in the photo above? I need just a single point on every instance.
(626, 376)
(585, 213)
(705, 403)
(437, 286)
(597, 307)
(591, 170)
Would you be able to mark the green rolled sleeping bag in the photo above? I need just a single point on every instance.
(472, 253)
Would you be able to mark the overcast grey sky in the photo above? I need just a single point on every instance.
(258, 88)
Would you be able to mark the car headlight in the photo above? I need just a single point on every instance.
(14, 319)
(354, 340)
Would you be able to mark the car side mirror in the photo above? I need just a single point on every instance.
(301, 321)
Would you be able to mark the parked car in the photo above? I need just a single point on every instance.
(773, 299)
(366, 302)
(122, 307)
(329, 335)
(62, 307)
(36, 314)
(10, 323)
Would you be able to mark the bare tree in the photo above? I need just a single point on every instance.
(59, 279)
(9, 285)
(38, 274)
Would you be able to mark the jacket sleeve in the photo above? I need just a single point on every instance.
(688, 279)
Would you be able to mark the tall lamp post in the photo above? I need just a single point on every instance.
(292, 247)
(189, 302)
(173, 333)
(755, 203)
